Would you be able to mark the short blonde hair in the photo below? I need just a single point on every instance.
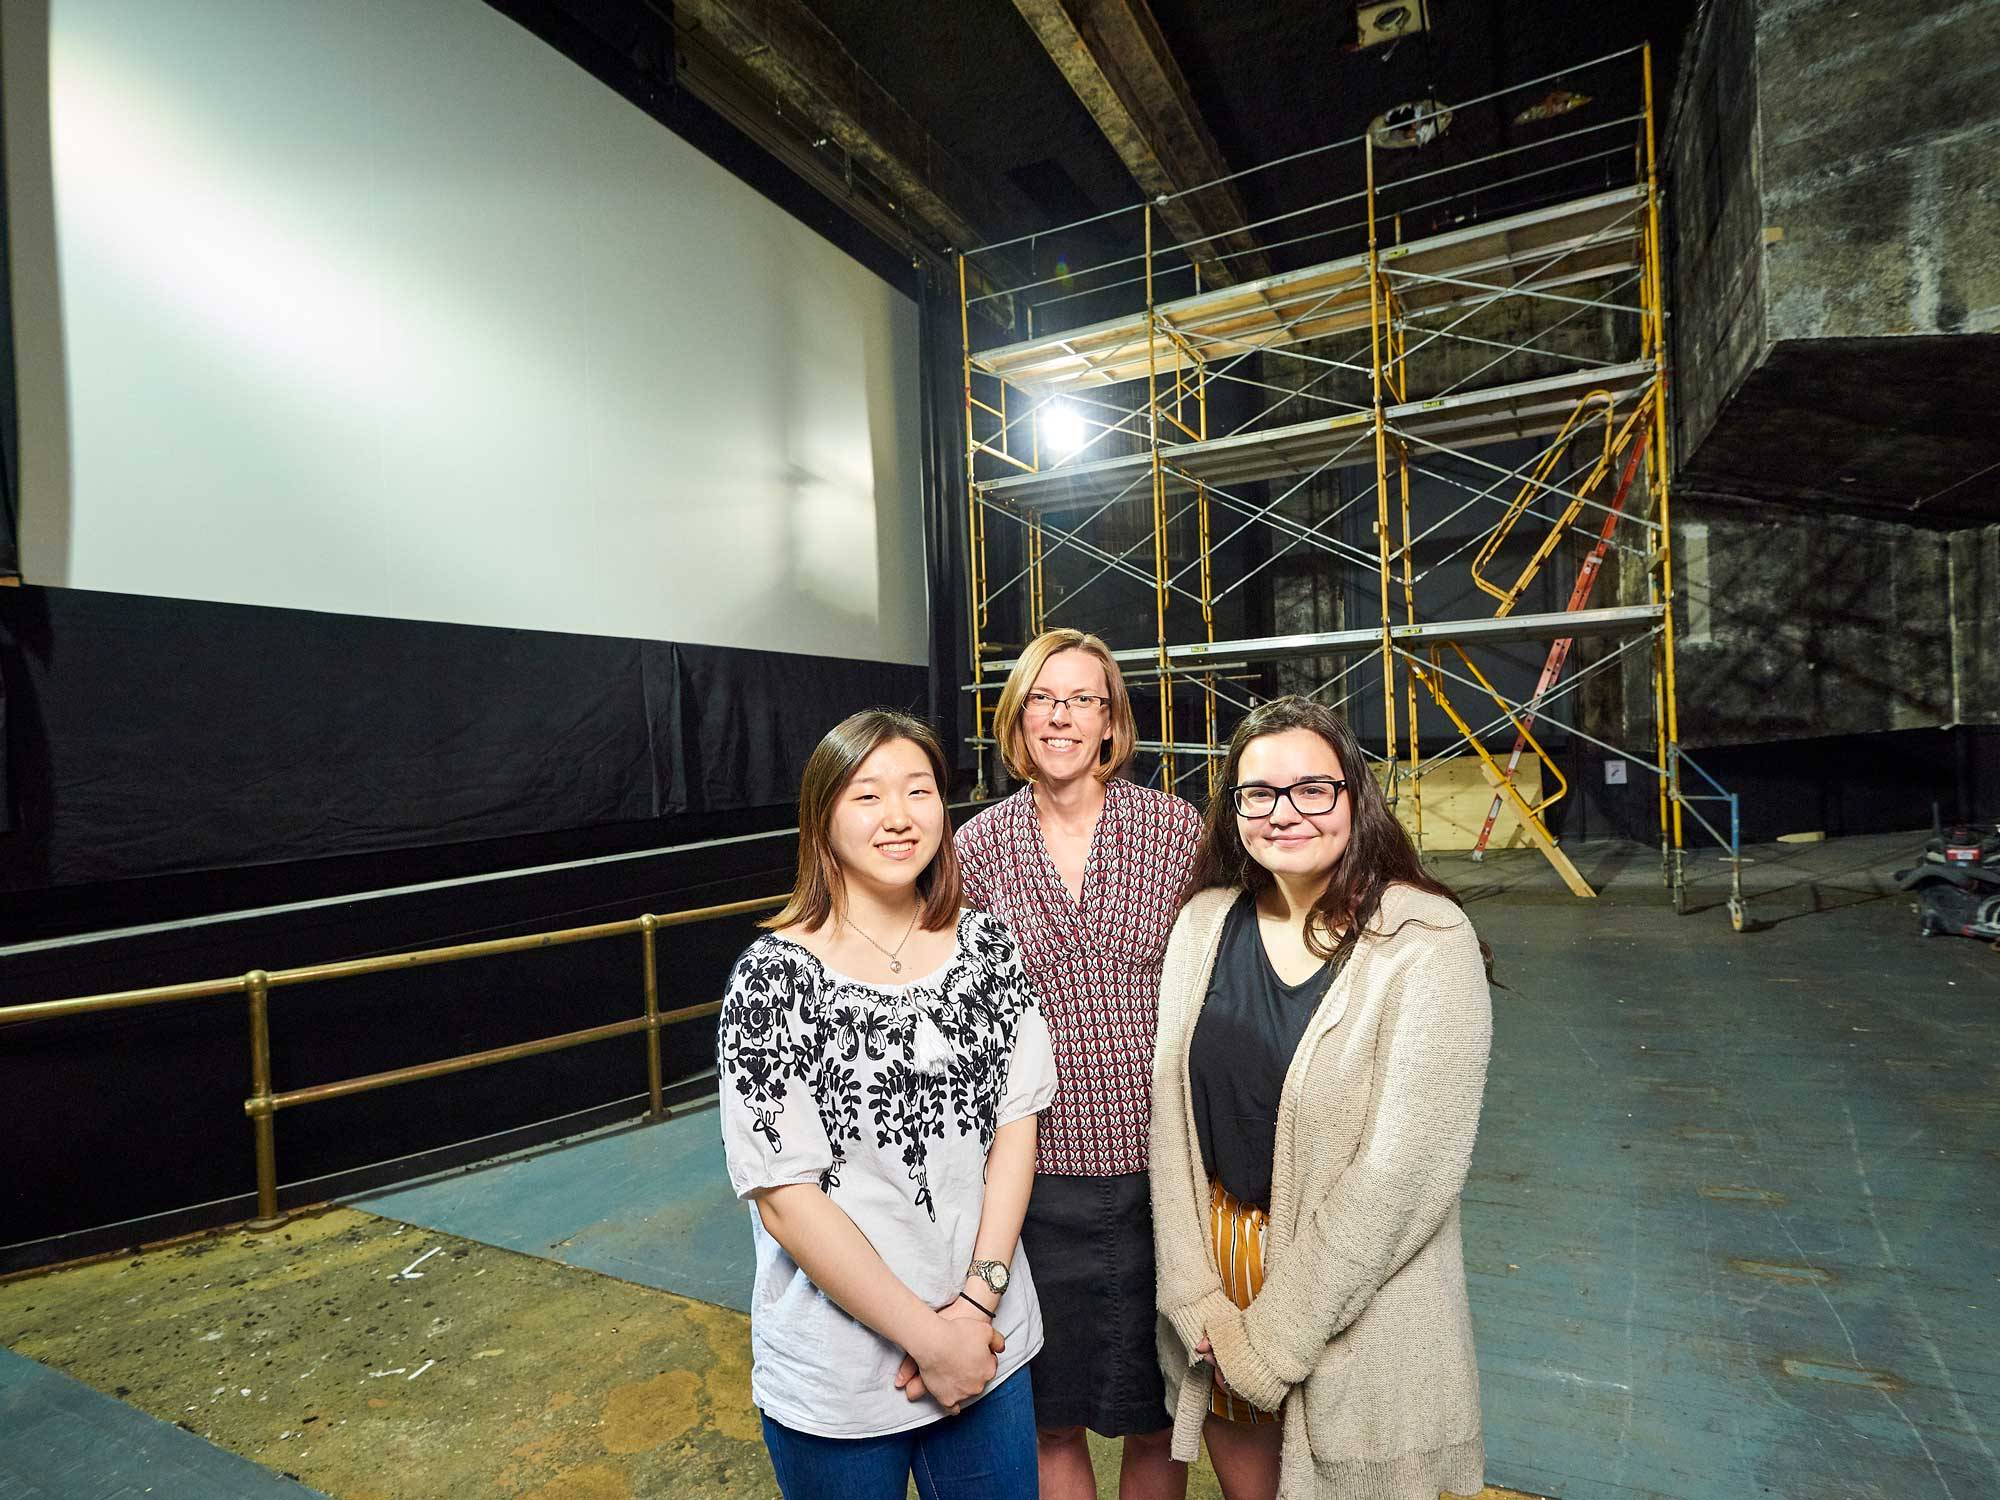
(1014, 696)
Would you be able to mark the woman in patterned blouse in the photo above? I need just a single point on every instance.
(882, 1064)
(1088, 870)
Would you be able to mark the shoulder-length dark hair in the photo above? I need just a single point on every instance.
(820, 892)
(1379, 853)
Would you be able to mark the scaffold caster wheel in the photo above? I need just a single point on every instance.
(1738, 917)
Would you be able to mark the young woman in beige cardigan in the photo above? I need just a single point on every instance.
(1324, 1023)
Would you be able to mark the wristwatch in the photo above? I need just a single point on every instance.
(993, 1273)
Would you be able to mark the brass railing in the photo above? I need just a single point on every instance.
(263, 1104)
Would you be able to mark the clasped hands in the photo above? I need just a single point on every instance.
(959, 1359)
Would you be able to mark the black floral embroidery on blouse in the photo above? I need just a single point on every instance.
(788, 1026)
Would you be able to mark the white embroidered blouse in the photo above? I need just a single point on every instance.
(887, 1097)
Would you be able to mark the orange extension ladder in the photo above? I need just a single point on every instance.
(1579, 598)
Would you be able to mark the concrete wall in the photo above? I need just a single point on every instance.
(1715, 220)
(1793, 631)
(1879, 126)
(1975, 625)
(1834, 237)
(1835, 258)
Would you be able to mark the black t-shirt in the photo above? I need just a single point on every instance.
(1251, 1024)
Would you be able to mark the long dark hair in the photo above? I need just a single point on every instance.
(1379, 853)
(820, 891)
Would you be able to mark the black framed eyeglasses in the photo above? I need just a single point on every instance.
(1042, 704)
(1319, 794)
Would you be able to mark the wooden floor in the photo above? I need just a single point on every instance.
(1731, 1231)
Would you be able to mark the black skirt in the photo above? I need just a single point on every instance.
(1090, 1248)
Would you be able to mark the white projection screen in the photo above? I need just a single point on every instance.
(384, 307)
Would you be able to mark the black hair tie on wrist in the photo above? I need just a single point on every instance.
(989, 1311)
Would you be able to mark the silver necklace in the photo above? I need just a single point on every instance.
(895, 963)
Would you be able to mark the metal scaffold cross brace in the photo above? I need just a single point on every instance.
(1556, 311)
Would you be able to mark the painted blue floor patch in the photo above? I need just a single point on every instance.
(646, 1203)
(1730, 1230)
(61, 1440)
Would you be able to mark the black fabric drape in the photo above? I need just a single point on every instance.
(944, 509)
(750, 718)
(10, 556)
(10, 436)
(162, 735)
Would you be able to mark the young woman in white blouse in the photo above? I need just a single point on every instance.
(882, 1064)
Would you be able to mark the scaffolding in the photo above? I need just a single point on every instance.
(1526, 314)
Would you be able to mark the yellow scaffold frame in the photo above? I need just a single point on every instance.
(1179, 345)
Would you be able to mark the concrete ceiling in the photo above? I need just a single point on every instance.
(944, 121)
(1895, 428)
(1266, 80)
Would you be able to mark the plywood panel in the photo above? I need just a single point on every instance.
(1455, 795)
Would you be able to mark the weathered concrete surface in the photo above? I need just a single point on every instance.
(1879, 126)
(1899, 428)
(1788, 630)
(60, 1438)
(1834, 231)
(1715, 219)
(1795, 629)
(487, 1373)
(1975, 625)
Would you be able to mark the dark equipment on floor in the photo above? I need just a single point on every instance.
(1957, 882)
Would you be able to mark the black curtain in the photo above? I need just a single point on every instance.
(10, 556)
(944, 506)
(154, 735)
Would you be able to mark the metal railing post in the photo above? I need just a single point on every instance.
(649, 925)
(258, 1106)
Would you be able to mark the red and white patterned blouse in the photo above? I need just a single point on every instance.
(1095, 964)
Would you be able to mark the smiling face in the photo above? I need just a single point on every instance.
(888, 820)
(1066, 741)
(1292, 845)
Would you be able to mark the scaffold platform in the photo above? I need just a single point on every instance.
(1593, 237)
(1403, 357)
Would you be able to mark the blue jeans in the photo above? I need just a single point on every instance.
(987, 1452)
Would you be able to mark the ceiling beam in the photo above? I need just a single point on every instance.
(1116, 59)
(787, 49)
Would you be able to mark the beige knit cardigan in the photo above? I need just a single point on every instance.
(1361, 1336)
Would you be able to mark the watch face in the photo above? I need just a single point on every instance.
(997, 1278)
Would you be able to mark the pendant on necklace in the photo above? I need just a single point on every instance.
(895, 966)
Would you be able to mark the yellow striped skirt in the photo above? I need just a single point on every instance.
(1237, 1230)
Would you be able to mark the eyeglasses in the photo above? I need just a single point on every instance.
(1319, 795)
(1043, 704)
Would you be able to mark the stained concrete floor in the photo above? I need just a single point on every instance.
(375, 1360)
(1730, 1232)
